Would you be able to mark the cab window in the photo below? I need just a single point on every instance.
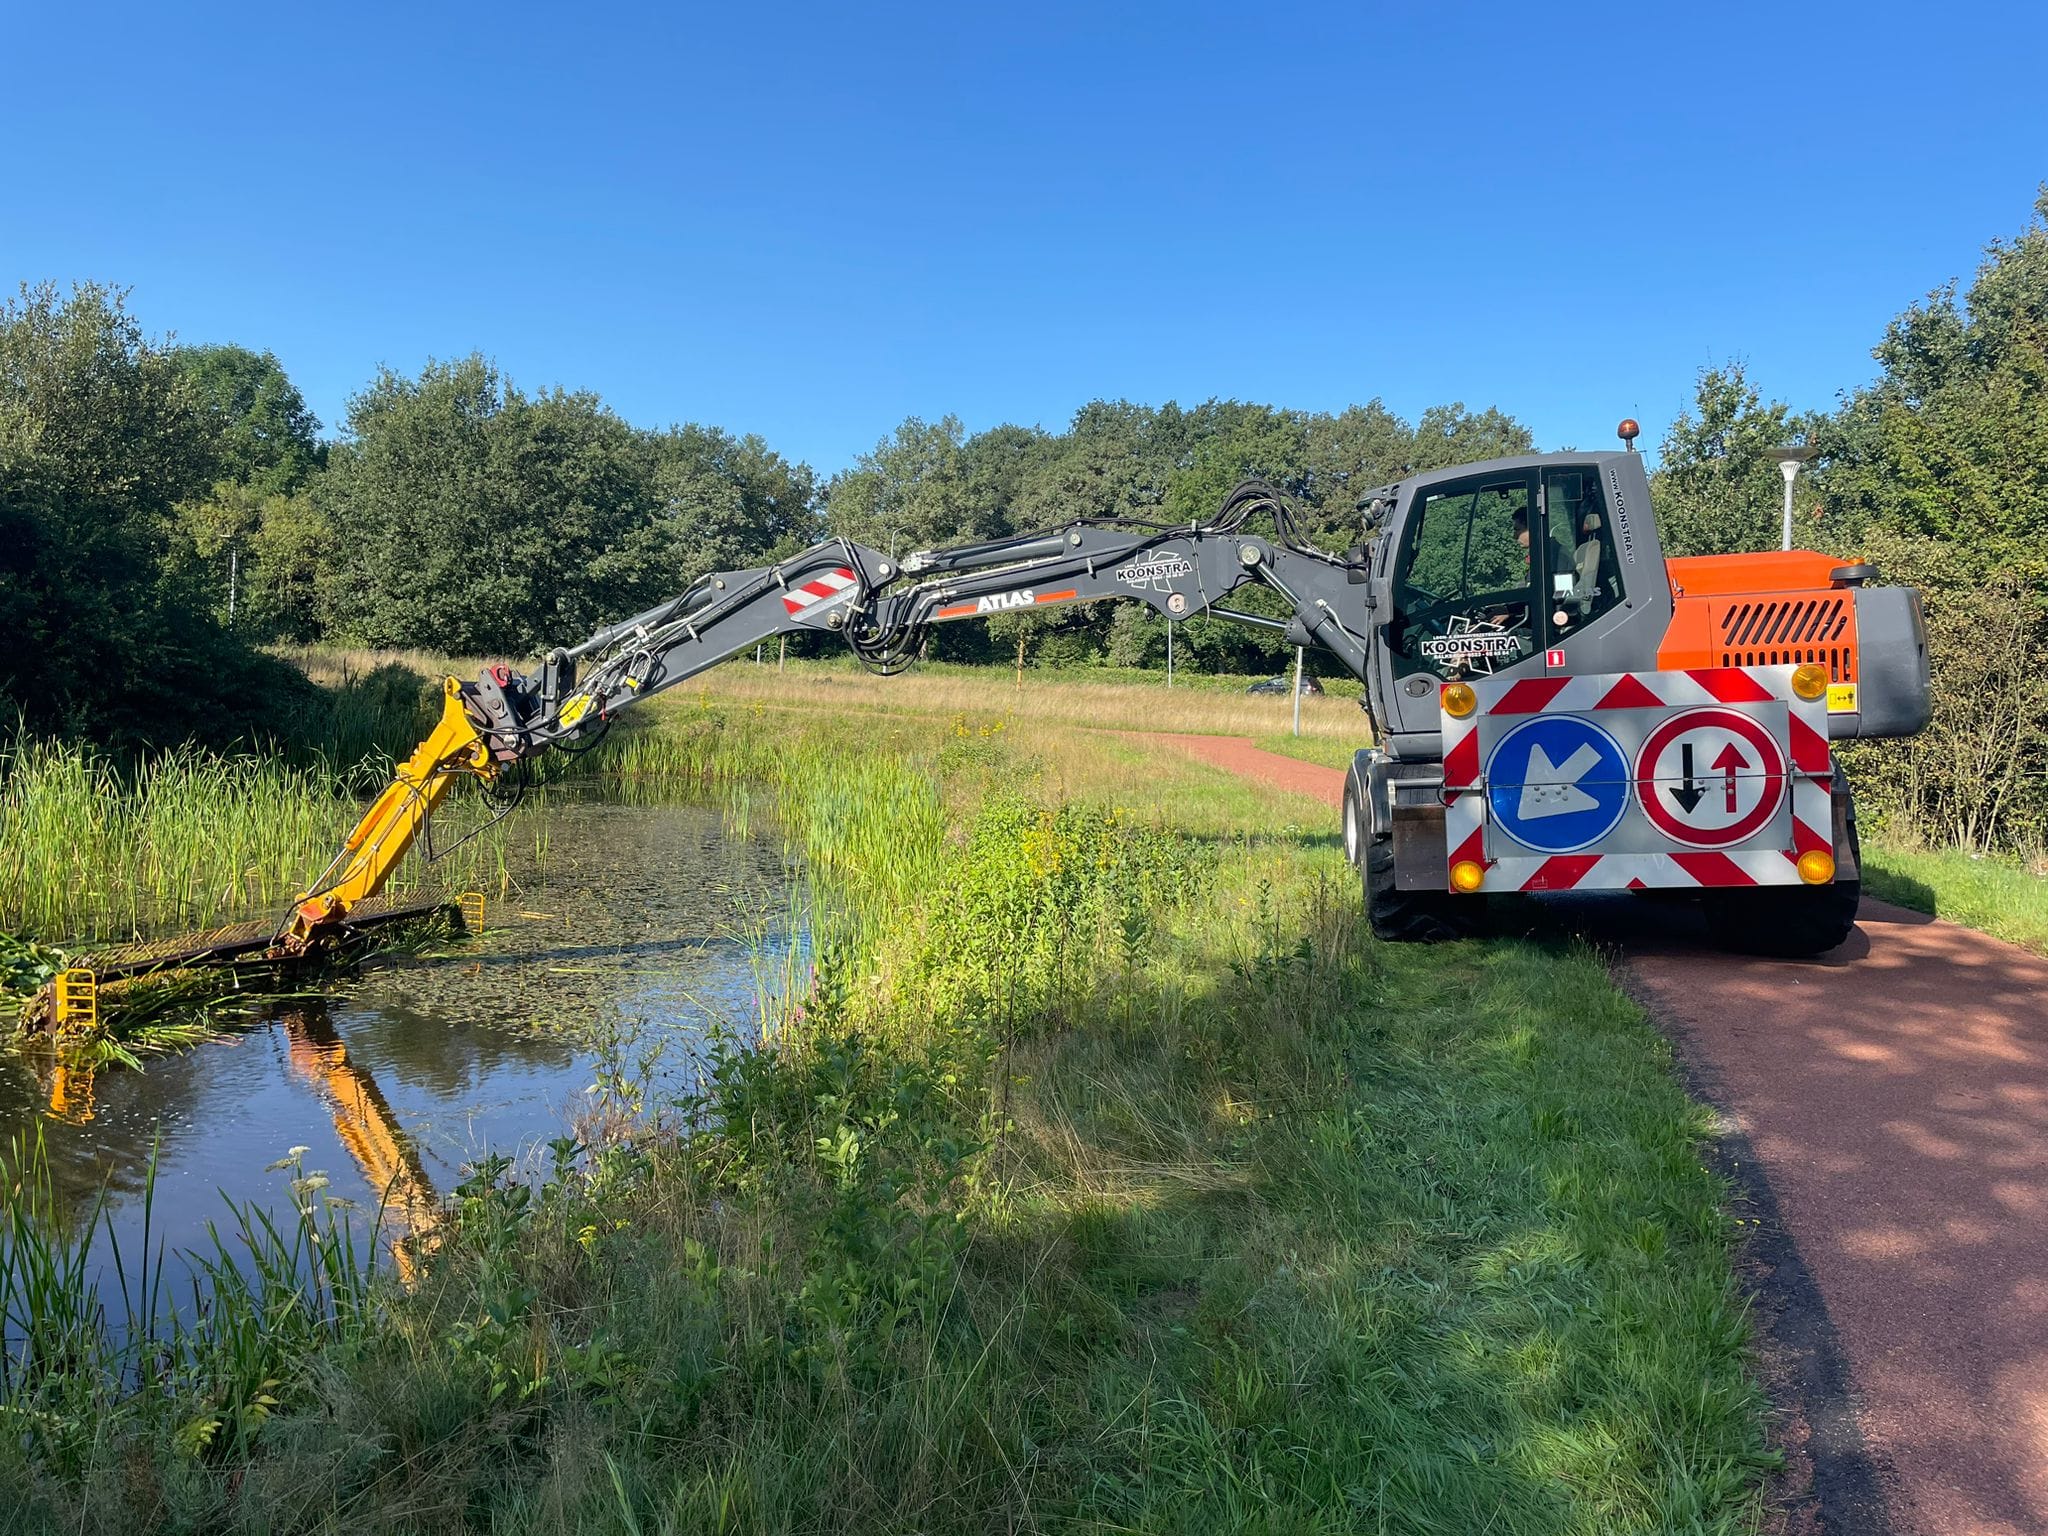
(1463, 596)
(1582, 579)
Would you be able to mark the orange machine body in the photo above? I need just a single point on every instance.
(1763, 610)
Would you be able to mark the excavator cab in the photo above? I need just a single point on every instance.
(1539, 564)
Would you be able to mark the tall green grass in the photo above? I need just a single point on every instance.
(92, 852)
(93, 1336)
(89, 851)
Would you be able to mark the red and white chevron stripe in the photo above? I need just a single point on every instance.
(833, 584)
(1509, 867)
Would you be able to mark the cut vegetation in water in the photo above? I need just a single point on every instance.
(1098, 1171)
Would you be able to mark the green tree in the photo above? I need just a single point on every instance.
(1450, 434)
(1115, 459)
(1231, 443)
(911, 491)
(1344, 458)
(1938, 470)
(101, 436)
(477, 517)
(284, 580)
(1951, 441)
(1716, 490)
(995, 466)
(1137, 636)
(719, 502)
(218, 527)
(264, 437)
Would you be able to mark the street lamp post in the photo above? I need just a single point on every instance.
(1789, 460)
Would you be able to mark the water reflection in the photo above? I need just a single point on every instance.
(366, 1126)
(643, 927)
(68, 1089)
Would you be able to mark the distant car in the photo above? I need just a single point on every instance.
(1279, 685)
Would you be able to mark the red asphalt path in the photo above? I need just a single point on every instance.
(1895, 1093)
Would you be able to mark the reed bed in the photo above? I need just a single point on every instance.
(96, 849)
(92, 852)
(188, 840)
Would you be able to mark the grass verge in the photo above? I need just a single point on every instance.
(2004, 897)
(1325, 751)
(1105, 1175)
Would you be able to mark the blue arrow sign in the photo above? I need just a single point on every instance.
(1557, 783)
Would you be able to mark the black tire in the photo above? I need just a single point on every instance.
(1791, 922)
(1408, 917)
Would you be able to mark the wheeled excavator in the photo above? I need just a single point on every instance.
(1553, 704)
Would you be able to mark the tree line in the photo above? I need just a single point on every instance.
(174, 503)
(166, 511)
(1936, 471)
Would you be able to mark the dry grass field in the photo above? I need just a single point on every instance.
(1197, 704)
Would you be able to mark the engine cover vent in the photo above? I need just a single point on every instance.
(1787, 631)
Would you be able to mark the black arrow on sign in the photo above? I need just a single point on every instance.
(1690, 793)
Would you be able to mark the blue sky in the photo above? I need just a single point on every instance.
(812, 222)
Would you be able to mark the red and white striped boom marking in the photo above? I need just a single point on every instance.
(1649, 858)
(833, 583)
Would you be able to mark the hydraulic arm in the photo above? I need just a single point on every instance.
(389, 827)
(882, 609)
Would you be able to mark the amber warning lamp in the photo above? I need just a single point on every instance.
(1628, 432)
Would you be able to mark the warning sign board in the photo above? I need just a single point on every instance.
(1710, 778)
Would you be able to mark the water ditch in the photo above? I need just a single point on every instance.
(629, 933)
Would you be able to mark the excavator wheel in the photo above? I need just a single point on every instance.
(1354, 826)
(1791, 922)
(1410, 917)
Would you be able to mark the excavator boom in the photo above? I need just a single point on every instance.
(883, 610)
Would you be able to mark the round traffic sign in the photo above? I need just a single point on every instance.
(1709, 778)
(1557, 783)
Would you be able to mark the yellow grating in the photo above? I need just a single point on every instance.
(78, 999)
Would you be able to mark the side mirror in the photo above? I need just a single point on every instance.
(1360, 565)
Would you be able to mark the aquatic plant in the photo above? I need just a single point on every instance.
(204, 1370)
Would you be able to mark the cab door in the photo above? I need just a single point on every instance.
(1463, 590)
(1605, 597)
(1578, 571)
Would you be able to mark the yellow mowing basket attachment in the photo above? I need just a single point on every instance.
(472, 905)
(78, 998)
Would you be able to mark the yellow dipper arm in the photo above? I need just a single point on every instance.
(388, 828)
